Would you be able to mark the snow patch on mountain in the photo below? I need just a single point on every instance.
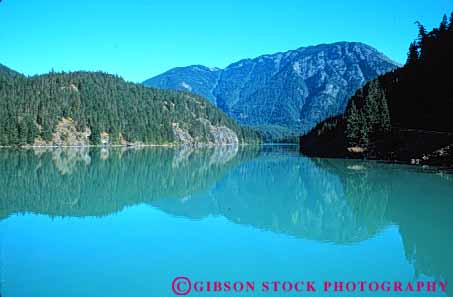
(186, 86)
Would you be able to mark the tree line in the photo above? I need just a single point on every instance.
(31, 108)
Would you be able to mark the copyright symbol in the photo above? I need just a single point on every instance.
(181, 285)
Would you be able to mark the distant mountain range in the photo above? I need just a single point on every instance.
(286, 92)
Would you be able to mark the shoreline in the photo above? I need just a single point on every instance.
(425, 165)
(128, 145)
(86, 146)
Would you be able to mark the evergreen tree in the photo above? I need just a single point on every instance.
(46, 133)
(421, 32)
(22, 132)
(13, 134)
(385, 124)
(364, 131)
(444, 24)
(412, 56)
(353, 125)
(450, 25)
(371, 107)
(95, 137)
(421, 40)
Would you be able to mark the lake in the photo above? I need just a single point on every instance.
(129, 222)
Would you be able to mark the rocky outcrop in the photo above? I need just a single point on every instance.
(182, 135)
(66, 134)
(218, 135)
(105, 138)
(224, 135)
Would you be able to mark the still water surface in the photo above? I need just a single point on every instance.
(127, 222)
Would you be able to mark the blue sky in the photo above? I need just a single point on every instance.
(138, 39)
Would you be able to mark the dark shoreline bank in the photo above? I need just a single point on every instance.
(402, 146)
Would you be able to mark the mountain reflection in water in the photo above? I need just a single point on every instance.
(342, 202)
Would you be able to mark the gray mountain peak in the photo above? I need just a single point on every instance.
(293, 90)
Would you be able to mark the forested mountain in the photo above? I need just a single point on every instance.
(7, 71)
(283, 93)
(402, 115)
(82, 108)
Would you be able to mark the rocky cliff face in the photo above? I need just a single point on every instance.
(66, 134)
(216, 135)
(295, 89)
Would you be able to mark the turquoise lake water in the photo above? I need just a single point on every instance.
(128, 222)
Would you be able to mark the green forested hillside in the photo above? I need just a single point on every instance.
(7, 71)
(404, 114)
(99, 107)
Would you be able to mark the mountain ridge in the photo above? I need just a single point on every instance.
(8, 71)
(293, 89)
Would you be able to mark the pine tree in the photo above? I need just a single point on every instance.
(3, 138)
(450, 25)
(371, 107)
(32, 130)
(421, 32)
(421, 41)
(95, 136)
(412, 56)
(364, 131)
(13, 137)
(444, 24)
(46, 133)
(385, 124)
(114, 136)
(353, 125)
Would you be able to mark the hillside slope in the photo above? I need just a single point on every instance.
(404, 115)
(82, 108)
(7, 71)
